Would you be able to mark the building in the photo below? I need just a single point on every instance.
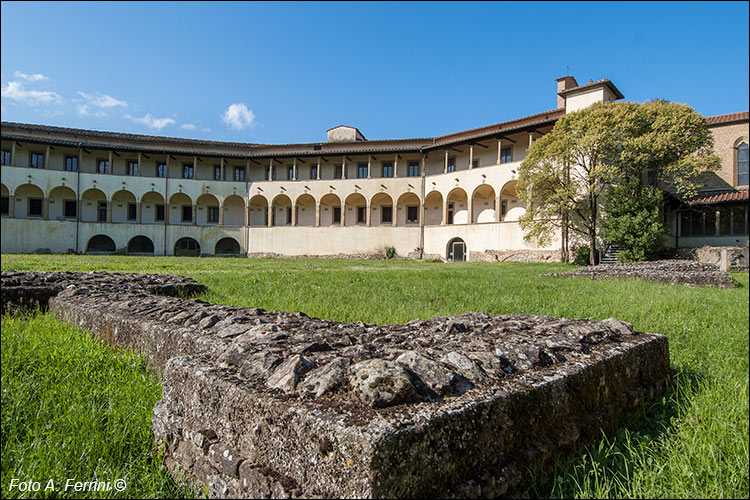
(450, 197)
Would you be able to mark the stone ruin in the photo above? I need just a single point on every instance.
(260, 404)
(683, 272)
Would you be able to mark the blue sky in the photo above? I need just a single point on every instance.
(286, 72)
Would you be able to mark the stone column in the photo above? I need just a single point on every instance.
(110, 164)
(13, 154)
(343, 168)
(317, 214)
(531, 138)
(247, 213)
(294, 213)
(221, 213)
(294, 169)
(445, 212)
(343, 214)
(140, 167)
(499, 149)
(498, 202)
(471, 156)
(470, 207)
(195, 167)
(12, 202)
(369, 167)
(445, 163)
(423, 165)
(138, 206)
(270, 170)
(317, 172)
(45, 206)
(368, 215)
(394, 214)
(110, 207)
(395, 166)
(46, 159)
(195, 208)
(270, 214)
(221, 168)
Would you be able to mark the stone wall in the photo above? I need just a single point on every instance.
(261, 404)
(736, 258)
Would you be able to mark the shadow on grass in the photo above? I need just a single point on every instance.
(605, 469)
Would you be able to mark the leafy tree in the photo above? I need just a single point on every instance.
(634, 220)
(567, 172)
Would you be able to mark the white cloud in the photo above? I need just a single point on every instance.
(83, 110)
(103, 100)
(238, 117)
(151, 121)
(187, 126)
(30, 78)
(15, 90)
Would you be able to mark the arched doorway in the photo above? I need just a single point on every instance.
(101, 243)
(187, 247)
(456, 250)
(141, 245)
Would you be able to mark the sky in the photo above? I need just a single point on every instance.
(281, 73)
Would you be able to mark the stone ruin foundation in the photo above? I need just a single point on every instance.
(683, 272)
(261, 404)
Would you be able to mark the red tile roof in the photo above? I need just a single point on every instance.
(731, 117)
(708, 198)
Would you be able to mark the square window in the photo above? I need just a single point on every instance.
(386, 214)
(187, 213)
(101, 215)
(213, 214)
(70, 211)
(132, 211)
(37, 160)
(412, 214)
(71, 164)
(161, 169)
(314, 172)
(102, 166)
(35, 207)
(362, 171)
(387, 169)
(5, 157)
(413, 169)
(159, 212)
(187, 171)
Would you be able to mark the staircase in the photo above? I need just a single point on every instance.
(609, 255)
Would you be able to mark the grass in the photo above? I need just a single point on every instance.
(693, 443)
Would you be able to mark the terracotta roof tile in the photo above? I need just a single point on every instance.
(731, 117)
(712, 197)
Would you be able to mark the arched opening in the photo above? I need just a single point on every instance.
(455, 251)
(101, 243)
(433, 209)
(62, 204)
(511, 208)
(141, 245)
(356, 210)
(457, 210)
(234, 211)
(207, 210)
(381, 208)
(483, 204)
(330, 210)
(94, 206)
(227, 246)
(31, 205)
(257, 211)
(187, 247)
(5, 200)
(124, 207)
(152, 208)
(304, 209)
(181, 209)
(408, 210)
(282, 211)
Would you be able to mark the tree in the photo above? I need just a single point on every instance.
(567, 172)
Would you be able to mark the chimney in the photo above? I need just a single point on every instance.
(564, 83)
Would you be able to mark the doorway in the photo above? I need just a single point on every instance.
(456, 251)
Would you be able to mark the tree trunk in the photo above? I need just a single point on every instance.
(592, 230)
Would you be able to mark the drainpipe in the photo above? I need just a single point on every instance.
(78, 195)
(422, 211)
(247, 206)
(166, 202)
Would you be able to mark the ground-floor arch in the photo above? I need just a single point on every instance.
(101, 243)
(227, 246)
(187, 247)
(141, 245)
(455, 251)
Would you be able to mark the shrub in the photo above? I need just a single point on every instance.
(390, 252)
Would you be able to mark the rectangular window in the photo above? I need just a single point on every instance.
(71, 164)
(132, 211)
(217, 173)
(452, 164)
(159, 212)
(362, 171)
(213, 215)
(5, 205)
(413, 169)
(102, 166)
(133, 168)
(289, 215)
(361, 215)
(101, 214)
(412, 214)
(387, 169)
(70, 210)
(386, 214)
(337, 171)
(161, 169)
(37, 160)
(5, 157)
(187, 171)
(290, 173)
(743, 165)
(314, 172)
(506, 155)
(239, 174)
(35, 207)
(337, 215)
(187, 213)
(503, 208)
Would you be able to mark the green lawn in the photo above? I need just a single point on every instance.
(74, 408)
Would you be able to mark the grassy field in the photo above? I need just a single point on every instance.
(73, 408)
